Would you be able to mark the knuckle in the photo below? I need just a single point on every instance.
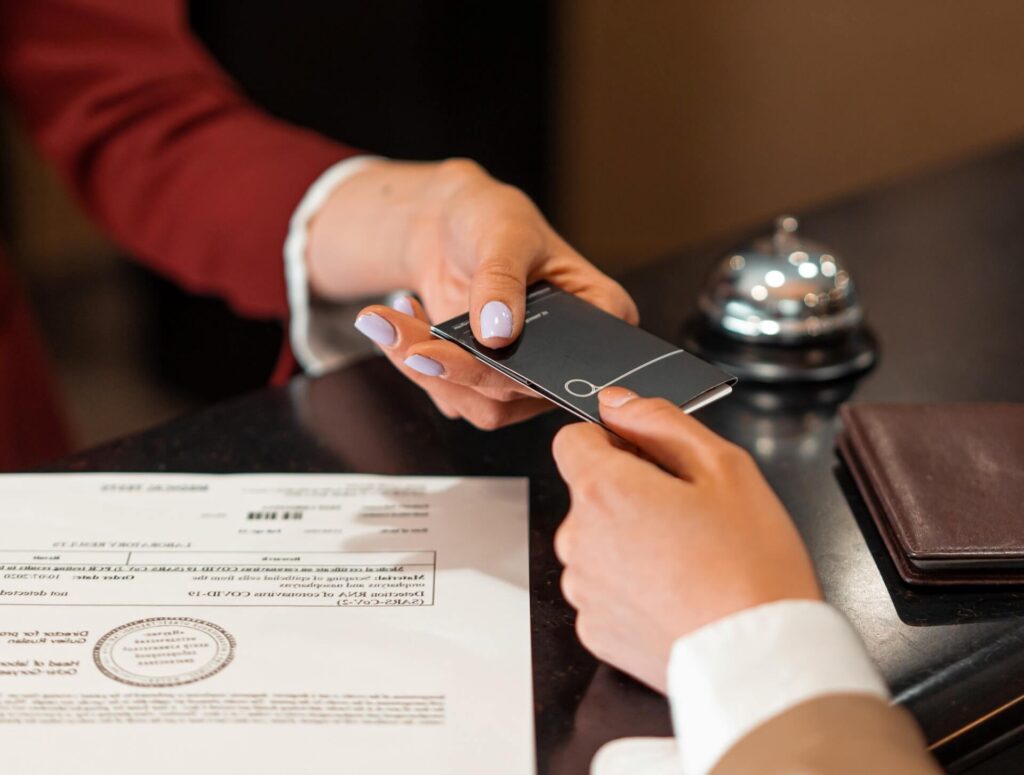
(473, 377)
(587, 489)
(444, 408)
(565, 439)
(583, 631)
(599, 648)
(589, 636)
(618, 302)
(507, 394)
(514, 195)
(486, 422)
(729, 458)
(488, 416)
(615, 481)
(568, 586)
(663, 409)
(565, 542)
(503, 271)
(459, 170)
(654, 410)
(630, 312)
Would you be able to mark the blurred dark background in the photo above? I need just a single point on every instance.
(639, 128)
(406, 80)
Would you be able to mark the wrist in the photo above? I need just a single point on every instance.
(689, 621)
(734, 674)
(357, 238)
(377, 229)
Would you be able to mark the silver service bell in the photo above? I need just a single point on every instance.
(783, 309)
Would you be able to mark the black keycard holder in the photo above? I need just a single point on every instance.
(570, 350)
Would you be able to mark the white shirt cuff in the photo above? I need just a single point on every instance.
(731, 676)
(637, 756)
(316, 354)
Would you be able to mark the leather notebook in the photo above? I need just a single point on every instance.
(945, 485)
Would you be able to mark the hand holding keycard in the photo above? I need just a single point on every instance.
(570, 350)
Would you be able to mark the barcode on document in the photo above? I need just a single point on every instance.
(270, 516)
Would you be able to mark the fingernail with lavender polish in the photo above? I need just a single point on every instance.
(404, 305)
(424, 365)
(376, 328)
(496, 320)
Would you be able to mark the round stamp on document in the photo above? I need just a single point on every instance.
(164, 651)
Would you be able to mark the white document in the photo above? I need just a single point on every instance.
(259, 624)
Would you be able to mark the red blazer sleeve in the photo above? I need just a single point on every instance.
(159, 144)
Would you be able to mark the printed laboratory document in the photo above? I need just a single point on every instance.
(264, 624)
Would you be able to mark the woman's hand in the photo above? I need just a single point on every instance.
(461, 240)
(672, 533)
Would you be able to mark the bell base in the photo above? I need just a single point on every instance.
(837, 357)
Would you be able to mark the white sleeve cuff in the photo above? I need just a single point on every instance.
(732, 675)
(637, 756)
(316, 355)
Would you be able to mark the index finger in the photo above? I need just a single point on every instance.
(583, 448)
(663, 431)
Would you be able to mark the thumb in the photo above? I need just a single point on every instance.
(497, 294)
(663, 431)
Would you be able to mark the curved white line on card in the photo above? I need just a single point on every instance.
(595, 388)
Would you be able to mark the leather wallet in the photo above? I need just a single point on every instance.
(945, 486)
